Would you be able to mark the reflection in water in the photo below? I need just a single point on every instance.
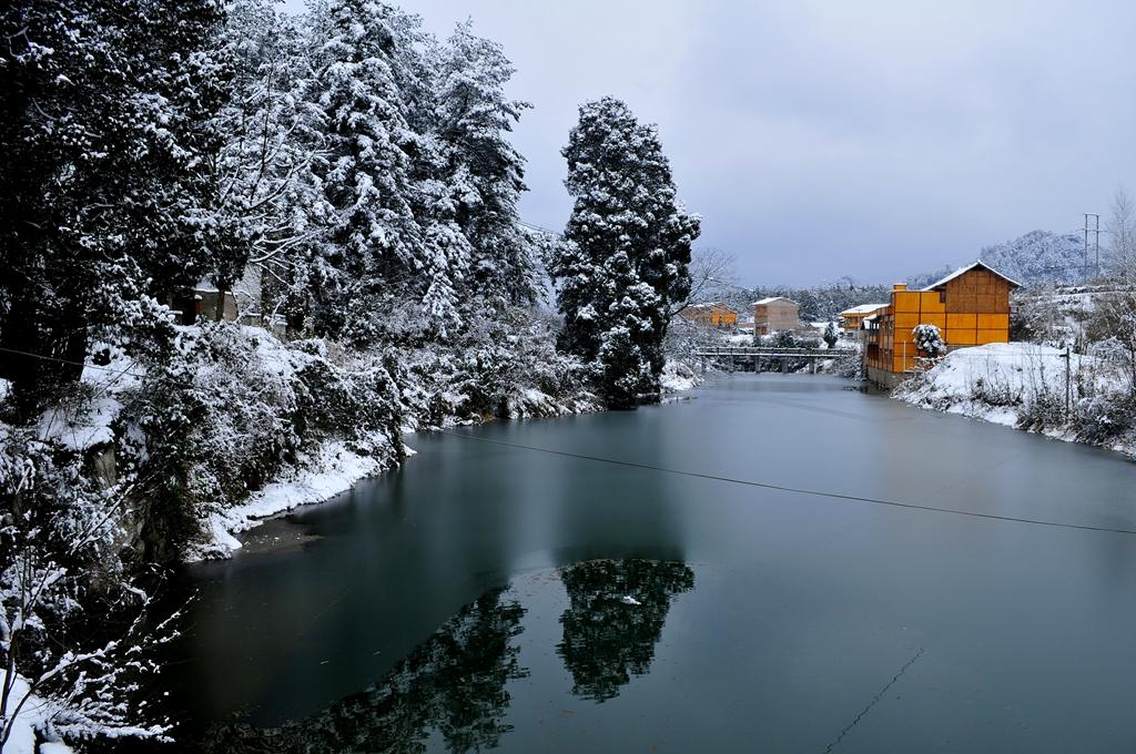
(454, 683)
(615, 619)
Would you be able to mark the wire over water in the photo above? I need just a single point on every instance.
(794, 490)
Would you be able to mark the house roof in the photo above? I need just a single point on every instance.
(771, 299)
(710, 305)
(863, 309)
(963, 270)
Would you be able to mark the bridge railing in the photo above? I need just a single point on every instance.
(711, 350)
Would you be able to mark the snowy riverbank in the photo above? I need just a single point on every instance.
(335, 469)
(1024, 385)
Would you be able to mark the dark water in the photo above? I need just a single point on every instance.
(490, 595)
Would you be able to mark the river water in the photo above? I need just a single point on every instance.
(617, 582)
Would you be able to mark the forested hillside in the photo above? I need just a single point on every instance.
(352, 177)
(1041, 257)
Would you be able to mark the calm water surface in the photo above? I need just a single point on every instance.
(493, 595)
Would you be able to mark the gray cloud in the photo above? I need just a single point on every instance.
(819, 139)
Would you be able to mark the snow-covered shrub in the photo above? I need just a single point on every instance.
(1044, 410)
(847, 366)
(1111, 327)
(993, 390)
(783, 339)
(232, 406)
(1099, 419)
(500, 368)
(929, 340)
(73, 636)
(831, 335)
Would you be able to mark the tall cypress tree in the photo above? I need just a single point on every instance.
(626, 251)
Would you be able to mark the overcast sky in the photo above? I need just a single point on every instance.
(820, 139)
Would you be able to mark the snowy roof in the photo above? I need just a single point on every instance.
(863, 309)
(710, 305)
(963, 270)
(771, 299)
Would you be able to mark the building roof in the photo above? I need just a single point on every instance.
(863, 309)
(710, 305)
(771, 299)
(963, 270)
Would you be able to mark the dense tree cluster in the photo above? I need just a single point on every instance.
(360, 164)
(358, 168)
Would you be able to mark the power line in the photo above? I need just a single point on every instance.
(794, 490)
(58, 360)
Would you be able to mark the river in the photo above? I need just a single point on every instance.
(623, 582)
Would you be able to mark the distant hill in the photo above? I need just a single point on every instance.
(1039, 257)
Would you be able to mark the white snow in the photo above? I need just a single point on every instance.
(677, 377)
(863, 309)
(34, 712)
(997, 382)
(334, 469)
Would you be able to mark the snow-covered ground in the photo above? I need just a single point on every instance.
(1018, 385)
(31, 716)
(333, 470)
(678, 377)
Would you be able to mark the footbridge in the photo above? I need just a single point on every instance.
(754, 356)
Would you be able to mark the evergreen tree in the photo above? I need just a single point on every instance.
(374, 241)
(484, 172)
(626, 252)
(830, 335)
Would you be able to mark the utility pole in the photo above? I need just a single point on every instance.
(1068, 356)
(1095, 229)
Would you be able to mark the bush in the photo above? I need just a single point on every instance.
(929, 340)
(499, 369)
(994, 392)
(1046, 410)
(229, 408)
(1099, 419)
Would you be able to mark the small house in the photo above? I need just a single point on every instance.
(775, 313)
(971, 307)
(852, 319)
(204, 300)
(712, 314)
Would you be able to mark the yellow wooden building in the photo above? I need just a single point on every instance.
(713, 314)
(971, 306)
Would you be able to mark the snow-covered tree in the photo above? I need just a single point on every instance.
(74, 628)
(626, 250)
(1122, 236)
(484, 172)
(274, 142)
(831, 336)
(929, 340)
(374, 239)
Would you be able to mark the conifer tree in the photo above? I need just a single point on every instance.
(625, 259)
(374, 239)
(485, 174)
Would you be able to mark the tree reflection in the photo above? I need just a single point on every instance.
(454, 683)
(616, 615)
